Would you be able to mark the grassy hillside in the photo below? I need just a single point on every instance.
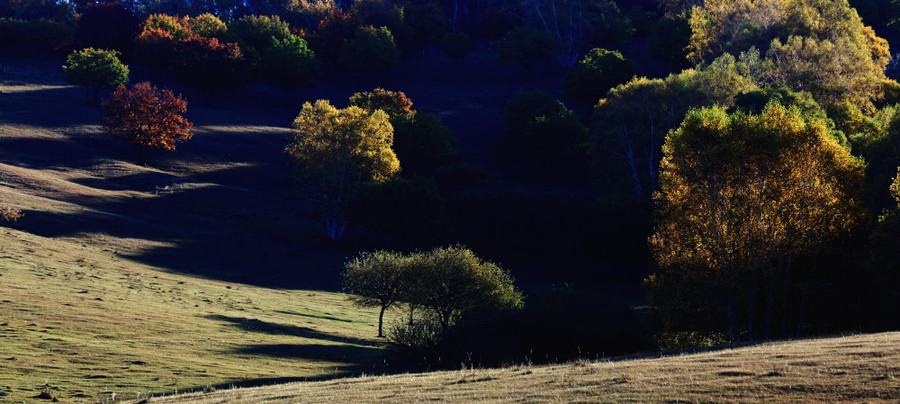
(863, 368)
(121, 278)
(82, 324)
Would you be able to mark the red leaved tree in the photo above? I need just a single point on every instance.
(147, 117)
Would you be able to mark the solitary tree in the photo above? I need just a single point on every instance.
(147, 117)
(338, 151)
(375, 279)
(95, 69)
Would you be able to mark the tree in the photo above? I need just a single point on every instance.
(743, 196)
(95, 69)
(549, 138)
(376, 279)
(338, 151)
(176, 26)
(207, 25)
(451, 281)
(526, 47)
(255, 36)
(33, 38)
(393, 103)
(423, 144)
(821, 46)
(371, 49)
(409, 210)
(290, 63)
(147, 117)
(631, 122)
(600, 70)
(210, 66)
(107, 26)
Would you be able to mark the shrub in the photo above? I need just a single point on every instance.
(372, 49)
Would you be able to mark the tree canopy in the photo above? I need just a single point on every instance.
(741, 194)
(95, 69)
(338, 151)
(147, 117)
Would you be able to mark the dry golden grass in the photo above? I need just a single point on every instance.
(861, 368)
(84, 324)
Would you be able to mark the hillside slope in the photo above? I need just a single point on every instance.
(860, 368)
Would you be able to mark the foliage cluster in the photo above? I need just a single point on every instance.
(147, 117)
(443, 284)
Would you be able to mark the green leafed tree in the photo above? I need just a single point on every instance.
(600, 70)
(376, 279)
(631, 122)
(371, 49)
(450, 281)
(338, 151)
(741, 198)
(95, 69)
(290, 63)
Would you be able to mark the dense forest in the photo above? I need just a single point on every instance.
(704, 172)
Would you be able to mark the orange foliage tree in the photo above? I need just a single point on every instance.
(147, 117)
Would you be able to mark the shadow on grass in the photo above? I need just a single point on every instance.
(314, 352)
(323, 317)
(254, 325)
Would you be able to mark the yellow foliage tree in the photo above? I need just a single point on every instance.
(742, 195)
(338, 151)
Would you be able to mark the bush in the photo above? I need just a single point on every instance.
(9, 213)
(423, 144)
(35, 38)
(372, 49)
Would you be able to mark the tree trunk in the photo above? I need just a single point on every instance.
(380, 322)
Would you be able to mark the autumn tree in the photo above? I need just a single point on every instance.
(743, 196)
(207, 25)
(820, 46)
(600, 70)
(255, 36)
(376, 279)
(95, 69)
(886, 261)
(338, 151)
(147, 117)
(393, 103)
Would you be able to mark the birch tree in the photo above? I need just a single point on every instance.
(338, 151)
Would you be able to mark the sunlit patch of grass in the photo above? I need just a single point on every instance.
(79, 323)
(862, 368)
